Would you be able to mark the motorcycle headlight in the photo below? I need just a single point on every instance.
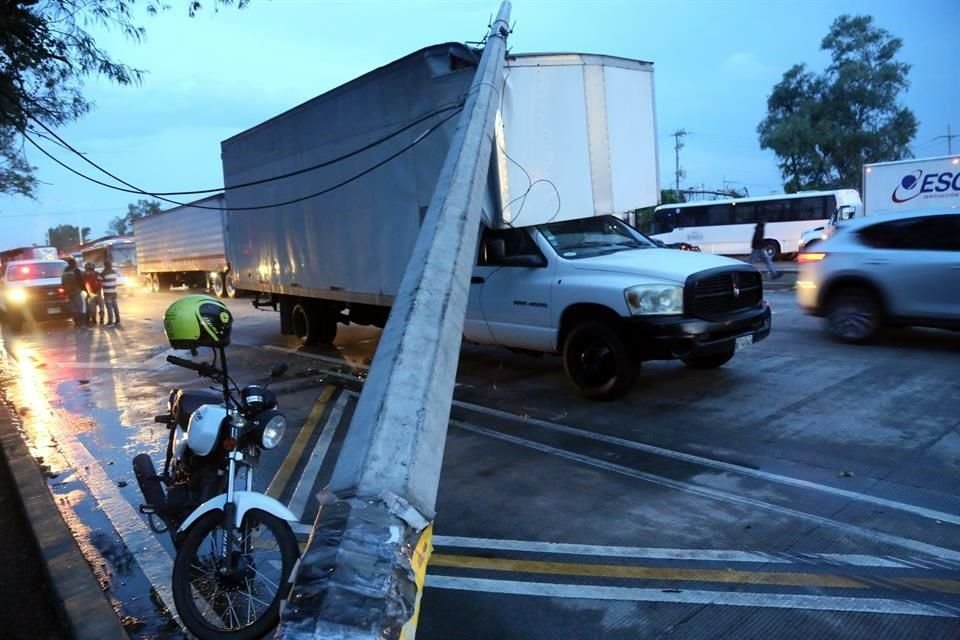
(649, 300)
(273, 425)
(17, 295)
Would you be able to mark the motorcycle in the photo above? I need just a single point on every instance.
(235, 547)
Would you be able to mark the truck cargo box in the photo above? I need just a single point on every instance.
(575, 137)
(185, 238)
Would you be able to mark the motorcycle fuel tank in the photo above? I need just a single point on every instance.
(204, 427)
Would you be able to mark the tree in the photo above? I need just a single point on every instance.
(66, 237)
(123, 225)
(824, 127)
(46, 53)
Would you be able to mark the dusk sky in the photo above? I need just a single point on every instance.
(219, 73)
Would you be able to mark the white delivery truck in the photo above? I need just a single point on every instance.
(905, 185)
(185, 246)
(325, 203)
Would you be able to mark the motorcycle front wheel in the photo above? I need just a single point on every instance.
(236, 597)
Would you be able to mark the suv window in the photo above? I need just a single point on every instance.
(932, 233)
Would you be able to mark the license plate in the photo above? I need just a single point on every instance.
(53, 310)
(743, 341)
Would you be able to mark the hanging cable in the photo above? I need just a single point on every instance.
(343, 183)
(321, 165)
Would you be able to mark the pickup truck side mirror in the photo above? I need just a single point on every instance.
(525, 260)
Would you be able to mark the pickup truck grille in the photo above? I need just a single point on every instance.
(713, 293)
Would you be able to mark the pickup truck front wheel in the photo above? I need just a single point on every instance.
(597, 362)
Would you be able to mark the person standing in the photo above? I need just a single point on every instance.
(108, 280)
(91, 284)
(757, 252)
(72, 287)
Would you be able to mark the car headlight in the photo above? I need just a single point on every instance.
(648, 300)
(17, 295)
(274, 424)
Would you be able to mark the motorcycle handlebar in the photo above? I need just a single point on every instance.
(201, 368)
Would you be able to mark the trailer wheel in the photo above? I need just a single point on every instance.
(228, 285)
(216, 280)
(154, 283)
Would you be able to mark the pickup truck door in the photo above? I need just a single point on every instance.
(510, 292)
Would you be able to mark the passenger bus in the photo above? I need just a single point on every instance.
(121, 251)
(726, 226)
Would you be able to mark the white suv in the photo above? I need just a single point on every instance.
(896, 269)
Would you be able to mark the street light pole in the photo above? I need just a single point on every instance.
(362, 573)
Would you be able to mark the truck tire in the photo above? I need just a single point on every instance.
(597, 362)
(216, 283)
(313, 325)
(154, 283)
(712, 361)
(228, 286)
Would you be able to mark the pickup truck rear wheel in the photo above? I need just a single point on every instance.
(712, 361)
(597, 362)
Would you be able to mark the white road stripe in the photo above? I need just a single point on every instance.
(301, 494)
(153, 559)
(876, 536)
(943, 516)
(701, 555)
(723, 598)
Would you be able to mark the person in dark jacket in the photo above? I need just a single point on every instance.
(757, 253)
(73, 286)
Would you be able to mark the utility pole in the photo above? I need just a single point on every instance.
(679, 173)
(949, 137)
(362, 573)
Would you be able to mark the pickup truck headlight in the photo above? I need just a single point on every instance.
(650, 300)
(17, 295)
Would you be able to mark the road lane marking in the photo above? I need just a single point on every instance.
(932, 514)
(282, 478)
(301, 494)
(790, 579)
(654, 553)
(722, 598)
(876, 536)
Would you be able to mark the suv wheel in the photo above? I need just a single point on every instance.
(854, 315)
(597, 362)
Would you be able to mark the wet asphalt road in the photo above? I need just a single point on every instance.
(807, 488)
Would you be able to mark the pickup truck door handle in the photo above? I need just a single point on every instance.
(477, 280)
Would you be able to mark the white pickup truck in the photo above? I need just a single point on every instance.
(606, 298)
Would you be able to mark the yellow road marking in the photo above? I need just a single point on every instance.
(282, 479)
(645, 573)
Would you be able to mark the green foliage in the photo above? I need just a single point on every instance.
(66, 237)
(123, 225)
(46, 53)
(824, 127)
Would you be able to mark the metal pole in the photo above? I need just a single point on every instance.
(362, 573)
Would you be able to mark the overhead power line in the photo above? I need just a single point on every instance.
(343, 183)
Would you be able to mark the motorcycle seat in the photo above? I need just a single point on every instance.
(189, 400)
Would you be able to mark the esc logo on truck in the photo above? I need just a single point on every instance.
(915, 183)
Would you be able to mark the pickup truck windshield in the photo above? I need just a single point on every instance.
(590, 237)
(35, 270)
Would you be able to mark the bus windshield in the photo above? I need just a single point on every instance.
(588, 237)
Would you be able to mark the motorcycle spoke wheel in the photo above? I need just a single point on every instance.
(238, 596)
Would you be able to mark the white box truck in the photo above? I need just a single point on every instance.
(325, 203)
(185, 246)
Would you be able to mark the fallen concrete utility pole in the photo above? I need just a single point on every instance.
(362, 573)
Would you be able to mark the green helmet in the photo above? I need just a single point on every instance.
(197, 321)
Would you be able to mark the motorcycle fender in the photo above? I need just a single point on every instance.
(245, 500)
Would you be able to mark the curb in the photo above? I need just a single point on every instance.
(79, 597)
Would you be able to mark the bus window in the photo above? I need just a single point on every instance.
(719, 214)
(745, 213)
(810, 208)
(776, 211)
